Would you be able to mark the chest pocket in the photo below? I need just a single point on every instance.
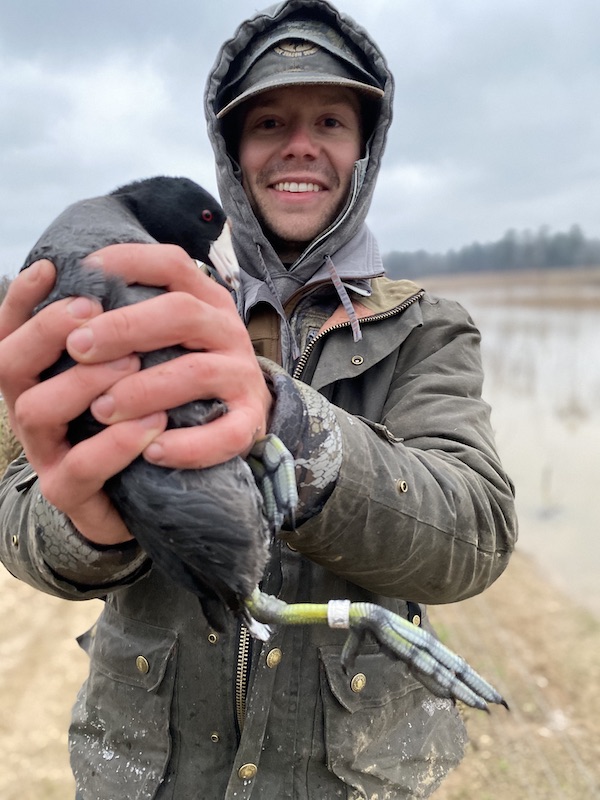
(119, 738)
(385, 734)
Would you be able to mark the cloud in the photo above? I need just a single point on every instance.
(76, 133)
(495, 124)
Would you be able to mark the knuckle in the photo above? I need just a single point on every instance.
(182, 303)
(175, 254)
(52, 487)
(242, 434)
(120, 323)
(22, 417)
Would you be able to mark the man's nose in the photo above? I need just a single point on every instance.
(301, 142)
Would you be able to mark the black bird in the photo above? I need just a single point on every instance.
(214, 538)
(209, 530)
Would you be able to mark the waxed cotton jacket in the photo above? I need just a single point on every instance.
(422, 511)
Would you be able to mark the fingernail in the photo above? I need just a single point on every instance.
(93, 261)
(33, 271)
(103, 407)
(80, 340)
(80, 308)
(154, 453)
(125, 363)
(152, 421)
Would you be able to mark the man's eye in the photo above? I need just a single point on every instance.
(268, 124)
(331, 122)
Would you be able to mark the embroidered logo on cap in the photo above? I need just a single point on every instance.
(295, 48)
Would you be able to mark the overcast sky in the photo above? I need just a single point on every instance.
(496, 112)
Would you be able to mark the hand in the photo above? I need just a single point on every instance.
(200, 315)
(195, 312)
(70, 477)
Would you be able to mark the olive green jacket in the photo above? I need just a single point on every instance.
(421, 511)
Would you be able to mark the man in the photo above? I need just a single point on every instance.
(402, 496)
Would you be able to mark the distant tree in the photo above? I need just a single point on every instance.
(4, 284)
(515, 250)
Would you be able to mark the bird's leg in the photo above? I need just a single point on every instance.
(439, 669)
(273, 467)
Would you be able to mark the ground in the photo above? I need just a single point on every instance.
(538, 648)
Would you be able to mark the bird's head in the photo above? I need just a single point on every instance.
(179, 211)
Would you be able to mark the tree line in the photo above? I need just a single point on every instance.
(4, 284)
(516, 250)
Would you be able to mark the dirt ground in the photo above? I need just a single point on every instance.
(541, 651)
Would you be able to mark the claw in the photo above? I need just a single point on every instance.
(273, 467)
(437, 667)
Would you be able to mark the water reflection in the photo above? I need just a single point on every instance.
(540, 352)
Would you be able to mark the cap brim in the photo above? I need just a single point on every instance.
(300, 79)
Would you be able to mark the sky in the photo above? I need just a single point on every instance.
(496, 121)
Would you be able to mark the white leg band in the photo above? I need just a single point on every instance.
(338, 613)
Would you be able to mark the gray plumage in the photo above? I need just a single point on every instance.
(206, 529)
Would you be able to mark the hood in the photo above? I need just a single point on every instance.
(255, 253)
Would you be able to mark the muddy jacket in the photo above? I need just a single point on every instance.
(420, 511)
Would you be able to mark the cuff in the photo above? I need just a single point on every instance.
(307, 425)
(74, 558)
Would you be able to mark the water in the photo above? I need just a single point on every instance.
(542, 363)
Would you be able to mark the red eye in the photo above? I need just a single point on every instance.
(207, 215)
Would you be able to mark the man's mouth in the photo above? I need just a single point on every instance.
(294, 186)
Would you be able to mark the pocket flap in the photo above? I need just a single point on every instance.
(374, 679)
(128, 650)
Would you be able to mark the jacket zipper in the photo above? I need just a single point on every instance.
(241, 676)
(327, 233)
(302, 361)
(243, 653)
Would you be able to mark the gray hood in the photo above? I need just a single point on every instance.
(255, 254)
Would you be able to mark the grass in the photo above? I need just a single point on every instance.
(9, 445)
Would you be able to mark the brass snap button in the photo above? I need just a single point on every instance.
(213, 637)
(214, 737)
(416, 620)
(358, 682)
(402, 486)
(274, 657)
(357, 360)
(142, 665)
(15, 540)
(247, 771)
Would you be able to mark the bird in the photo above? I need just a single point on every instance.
(210, 530)
(217, 550)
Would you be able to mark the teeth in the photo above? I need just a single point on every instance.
(293, 186)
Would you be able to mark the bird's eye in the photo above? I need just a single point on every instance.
(207, 215)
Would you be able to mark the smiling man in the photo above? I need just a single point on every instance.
(373, 385)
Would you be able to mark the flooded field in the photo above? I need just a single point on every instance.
(528, 633)
(540, 345)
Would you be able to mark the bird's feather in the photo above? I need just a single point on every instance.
(206, 529)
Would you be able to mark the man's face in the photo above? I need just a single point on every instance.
(297, 151)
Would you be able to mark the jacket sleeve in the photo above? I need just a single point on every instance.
(40, 546)
(421, 508)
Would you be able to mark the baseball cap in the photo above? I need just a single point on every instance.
(297, 53)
